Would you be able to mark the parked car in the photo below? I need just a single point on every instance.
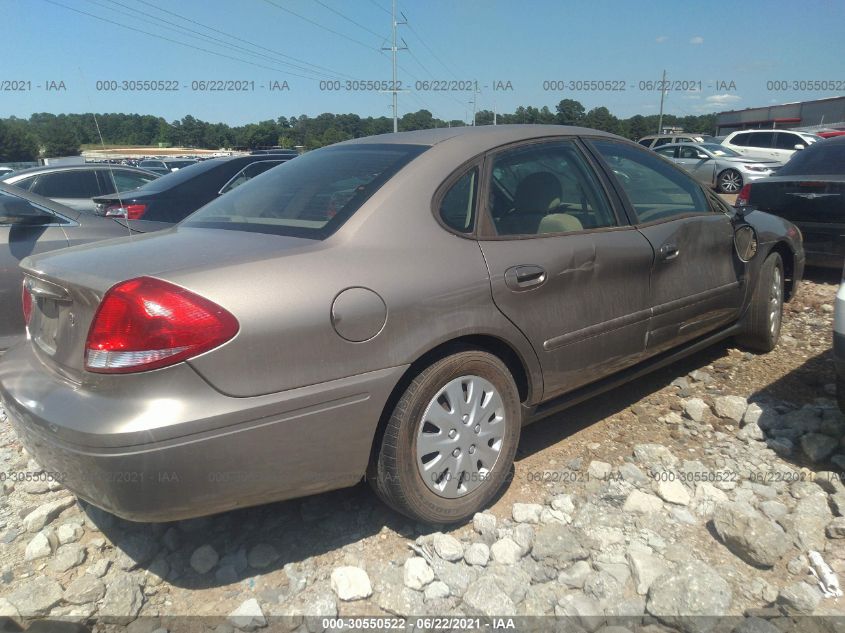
(276, 151)
(656, 140)
(716, 165)
(75, 185)
(778, 145)
(175, 196)
(163, 167)
(31, 224)
(839, 343)
(831, 133)
(810, 192)
(359, 311)
(6, 171)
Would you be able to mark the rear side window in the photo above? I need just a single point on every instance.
(655, 189)
(457, 209)
(116, 180)
(67, 184)
(249, 172)
(646, 142)
(823, 159)
(25, 183)
(663, 140)
(312, 196)
(760, 139)
(740, 139)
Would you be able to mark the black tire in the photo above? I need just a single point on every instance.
(729, 181)
(764, 319)
(395, 474)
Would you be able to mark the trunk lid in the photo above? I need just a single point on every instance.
(68, 285)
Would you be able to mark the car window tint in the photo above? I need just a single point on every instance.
(785, 140)
(646, 142)
(655, 189)
(822, 159)
(11, 205)
(760, 139)
(683, 139)
(740, 140)
(662, 141)
(249, 172)
(74, 183)
(457, 209)
(116, 180)
(311, 196)
(546, 188)
(669, 152)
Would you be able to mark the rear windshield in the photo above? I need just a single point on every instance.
(174, 178)
(308, 197)
(822, 159)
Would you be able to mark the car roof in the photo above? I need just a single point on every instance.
(47, 169)
(492, 135)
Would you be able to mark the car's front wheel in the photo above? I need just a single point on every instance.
(729, 181)
(765, 313)
(449, 443)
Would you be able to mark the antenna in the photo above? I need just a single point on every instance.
(662, 94)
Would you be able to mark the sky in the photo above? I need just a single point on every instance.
(298, 57)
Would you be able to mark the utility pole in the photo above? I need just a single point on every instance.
(662, 93)
(474, 103)
(494, 112)
(394, 49)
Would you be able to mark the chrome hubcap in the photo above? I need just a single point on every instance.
(775, 302)
(460, 436)
(731, 182)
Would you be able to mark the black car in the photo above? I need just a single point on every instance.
(809, 191)
(175, 196)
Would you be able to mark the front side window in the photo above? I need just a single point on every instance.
(75, 183)
(457, 208)
(312, 196)
(655, 190)
(668, 152)
(785, 140)
(690, 152)
(546, 188)
(116, 180)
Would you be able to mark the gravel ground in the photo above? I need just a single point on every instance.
(699, 490)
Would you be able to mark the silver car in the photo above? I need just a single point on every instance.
(393, 307)
(74, 186)
(718, 166)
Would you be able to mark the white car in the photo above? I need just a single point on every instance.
(777, 145)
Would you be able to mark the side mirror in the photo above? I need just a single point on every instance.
(799, 146)
(16, 211)
(703, 156)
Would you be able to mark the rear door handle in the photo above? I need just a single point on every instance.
(668, 252)
(526, 277)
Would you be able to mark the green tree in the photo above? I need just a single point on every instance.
(60, 139)
(601, 119)
(17, 144)
(570, 112)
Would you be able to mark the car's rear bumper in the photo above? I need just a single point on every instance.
(197, 453)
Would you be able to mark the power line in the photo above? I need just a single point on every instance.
(430, 50)
(240, 39)
(162, 37)
(348, 19)
(184, 31)
(387, 11)
(321, 26)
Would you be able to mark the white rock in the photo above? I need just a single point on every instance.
(484, 523)
(506, 551)
(752, 414)
(477, 555)
(696, 409)
(645, 568)
(599, 470)
(417, 573)
(731, 407)
(438, 590)
(563, 503)
(248, 616)
(351, 583)
(46, 513)
(642, 503)
(527, 512)
(38, 547)
(575, 574)
(673, 491)
(448, 547)
(69, 533)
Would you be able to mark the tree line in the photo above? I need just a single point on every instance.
(44, 134)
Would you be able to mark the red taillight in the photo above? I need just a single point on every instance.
(148, 323)
(744, 196)
(129, 211)
(26, 303)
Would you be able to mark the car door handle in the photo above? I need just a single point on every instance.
(526, 277)
(668, 252)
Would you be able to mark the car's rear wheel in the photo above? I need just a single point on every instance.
(449, 443)
(765, 313)
(729, 181)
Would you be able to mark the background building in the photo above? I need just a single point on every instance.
(805, 115)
